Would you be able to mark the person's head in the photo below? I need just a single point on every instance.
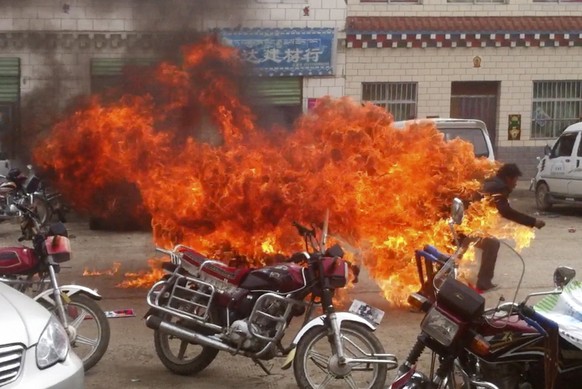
(509, 173)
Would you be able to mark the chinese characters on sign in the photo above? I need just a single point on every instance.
(285, 52)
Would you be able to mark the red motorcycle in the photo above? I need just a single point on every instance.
(209, 307)
(510, 346)
(33, 271)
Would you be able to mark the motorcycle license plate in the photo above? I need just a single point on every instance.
(368, 312)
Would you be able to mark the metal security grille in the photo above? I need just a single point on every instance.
(478, 1)
(392, 1)
(108, 72)
(400, 98)
(276, 90)
(556, 105)
(9, 80)
(557, 1)
(10, 362)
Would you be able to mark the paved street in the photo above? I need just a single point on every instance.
(131, 361)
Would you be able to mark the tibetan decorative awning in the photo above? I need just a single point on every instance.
(423, 32)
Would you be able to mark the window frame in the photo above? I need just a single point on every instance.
(480, 2)
(392, 1)
(385, 98)
(550, 97)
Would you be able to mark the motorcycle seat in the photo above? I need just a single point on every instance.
(225, 273)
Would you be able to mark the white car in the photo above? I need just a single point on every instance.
(34, 347)
(559, 173)
(470, 130)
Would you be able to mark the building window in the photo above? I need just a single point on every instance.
(10, 107)
(479, 1)
(556, 105)
(392, 1)
(109, 73)
(399, 98)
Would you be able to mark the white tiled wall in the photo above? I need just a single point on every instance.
(444, 8)
(130, 15)
(112, 16)
(435, 69)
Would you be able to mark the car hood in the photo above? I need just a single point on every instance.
(22, 319)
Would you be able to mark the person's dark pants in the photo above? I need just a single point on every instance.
(490, 248)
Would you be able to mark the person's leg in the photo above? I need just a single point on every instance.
(490, 248)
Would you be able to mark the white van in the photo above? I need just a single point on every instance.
(471, 130)
(559, 176)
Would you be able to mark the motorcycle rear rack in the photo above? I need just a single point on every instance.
(189, 298)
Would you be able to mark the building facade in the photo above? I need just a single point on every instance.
(53, 52)
(513, 63)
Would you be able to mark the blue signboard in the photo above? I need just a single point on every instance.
(285, 51)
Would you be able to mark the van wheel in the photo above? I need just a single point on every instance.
(542, 195)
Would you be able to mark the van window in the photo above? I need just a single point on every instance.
(472, 135)
(564, 145)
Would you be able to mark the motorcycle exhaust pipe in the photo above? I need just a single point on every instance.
(156, 323)
(483, 384)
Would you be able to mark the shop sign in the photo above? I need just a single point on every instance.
(285, 51)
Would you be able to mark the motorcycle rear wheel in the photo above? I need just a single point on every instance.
(90, 326)
(314, 355)
(189, 358)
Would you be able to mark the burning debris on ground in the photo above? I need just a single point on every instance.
(388, 190)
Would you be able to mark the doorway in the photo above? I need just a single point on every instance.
(476, 100)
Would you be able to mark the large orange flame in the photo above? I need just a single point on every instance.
(388, 190)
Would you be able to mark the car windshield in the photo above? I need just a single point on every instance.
(471, 135)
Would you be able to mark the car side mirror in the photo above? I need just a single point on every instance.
(547, 150)
(563, 275)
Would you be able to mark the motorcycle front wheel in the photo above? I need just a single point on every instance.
(43, 210)
(180, 356)
(315, 364)
(88, 328)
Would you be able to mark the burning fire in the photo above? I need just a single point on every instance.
(388, 190)
(109, 272)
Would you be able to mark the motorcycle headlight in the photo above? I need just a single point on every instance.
(53, 344)
(439, 327)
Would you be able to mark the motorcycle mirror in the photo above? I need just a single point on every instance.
(325, 229)
(563, 275)
(457, 211)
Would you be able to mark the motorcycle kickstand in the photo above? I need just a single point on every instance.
(263, 366)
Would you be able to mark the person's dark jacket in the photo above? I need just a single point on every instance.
(499, 191)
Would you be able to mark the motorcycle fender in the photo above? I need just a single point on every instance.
(319, 321)
(411, 380)
(68, 291)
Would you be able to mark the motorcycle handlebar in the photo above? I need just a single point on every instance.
(163, 251)
(303, 231)
(299, 257)
(441, 257)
